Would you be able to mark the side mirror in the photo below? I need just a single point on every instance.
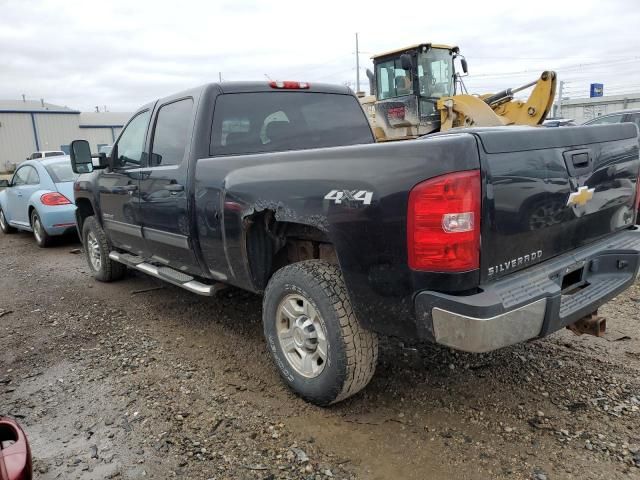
(463, 62)
(81, 157)
(405, 62)
(4, 183)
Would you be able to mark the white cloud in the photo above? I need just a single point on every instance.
(125, 53)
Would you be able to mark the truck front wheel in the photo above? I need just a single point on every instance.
(317, 343)
(96, 249)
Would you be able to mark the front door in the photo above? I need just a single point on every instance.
(119, 187)
(164, 188)
(24, 183)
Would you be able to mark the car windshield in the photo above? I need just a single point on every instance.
(61, 171)
(435, 75)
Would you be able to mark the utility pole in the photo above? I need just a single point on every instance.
(220, 76)
(559, 112)
(357, 65)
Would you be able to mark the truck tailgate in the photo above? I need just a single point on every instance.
(552, 190)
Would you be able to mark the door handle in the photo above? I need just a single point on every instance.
(121, 190)
(578, 162)
(19, 193)
(175, 187)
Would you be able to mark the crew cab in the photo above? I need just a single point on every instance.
(476, 239)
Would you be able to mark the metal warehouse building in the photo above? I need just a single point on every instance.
(29, 126)
(583, 109)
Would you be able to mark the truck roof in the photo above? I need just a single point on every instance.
(414, 47)
(255, 86)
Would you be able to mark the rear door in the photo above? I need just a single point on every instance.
(118, 189)
(164, 190)
(549, 191)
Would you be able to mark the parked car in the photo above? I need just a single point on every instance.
(45, 154)
(630, 115)
(282, 190)
(15, 453)
(559, 122)
(37, 199)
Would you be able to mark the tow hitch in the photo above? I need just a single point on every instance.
(591, 324)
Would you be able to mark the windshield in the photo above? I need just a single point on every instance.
(435, 73)
(61, 171)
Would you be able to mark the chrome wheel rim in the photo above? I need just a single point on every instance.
(36, 229)
(302, 335)
(93, 251)
(3, 222)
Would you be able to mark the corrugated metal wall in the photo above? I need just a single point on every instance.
(97, 136)
(582, 110)
(54, 130)
(16, 138)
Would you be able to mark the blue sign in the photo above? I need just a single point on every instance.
(597, 89)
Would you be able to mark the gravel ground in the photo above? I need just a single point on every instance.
(139, 379)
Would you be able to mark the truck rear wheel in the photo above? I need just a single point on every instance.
(96, 249)
(317, 343)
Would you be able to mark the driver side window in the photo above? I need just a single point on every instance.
(21, 176)
(130, 146)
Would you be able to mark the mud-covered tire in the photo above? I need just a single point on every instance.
(4, 224)
(351, 350)
(96, 243)
(39, 233)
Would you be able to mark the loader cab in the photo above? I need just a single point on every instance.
(407, 83)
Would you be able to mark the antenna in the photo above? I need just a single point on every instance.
(268, 77)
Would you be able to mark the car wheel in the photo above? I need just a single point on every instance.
(96, 249)
(4, 224)
(39, 233)
(315, 339)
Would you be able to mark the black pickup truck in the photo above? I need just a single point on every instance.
(475, 239)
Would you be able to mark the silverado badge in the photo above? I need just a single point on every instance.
(581, 197)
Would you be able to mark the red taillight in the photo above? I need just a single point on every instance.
(288, 85)
(54, 198)
(443, 223)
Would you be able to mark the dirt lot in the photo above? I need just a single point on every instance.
(138, 379)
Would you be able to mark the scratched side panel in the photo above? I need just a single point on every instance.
(370, 239)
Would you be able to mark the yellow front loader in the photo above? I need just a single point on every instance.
(416, 90)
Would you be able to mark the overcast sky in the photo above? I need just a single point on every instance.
(123, 53)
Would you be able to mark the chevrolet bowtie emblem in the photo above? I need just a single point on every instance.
(581, 197)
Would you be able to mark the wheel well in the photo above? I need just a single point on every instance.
(272, 244)
(30, 211)
(84, 210)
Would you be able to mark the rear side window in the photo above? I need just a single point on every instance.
(171, 132)
(61, 172)
(33, 178)
(260, 122)
(53, 154)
